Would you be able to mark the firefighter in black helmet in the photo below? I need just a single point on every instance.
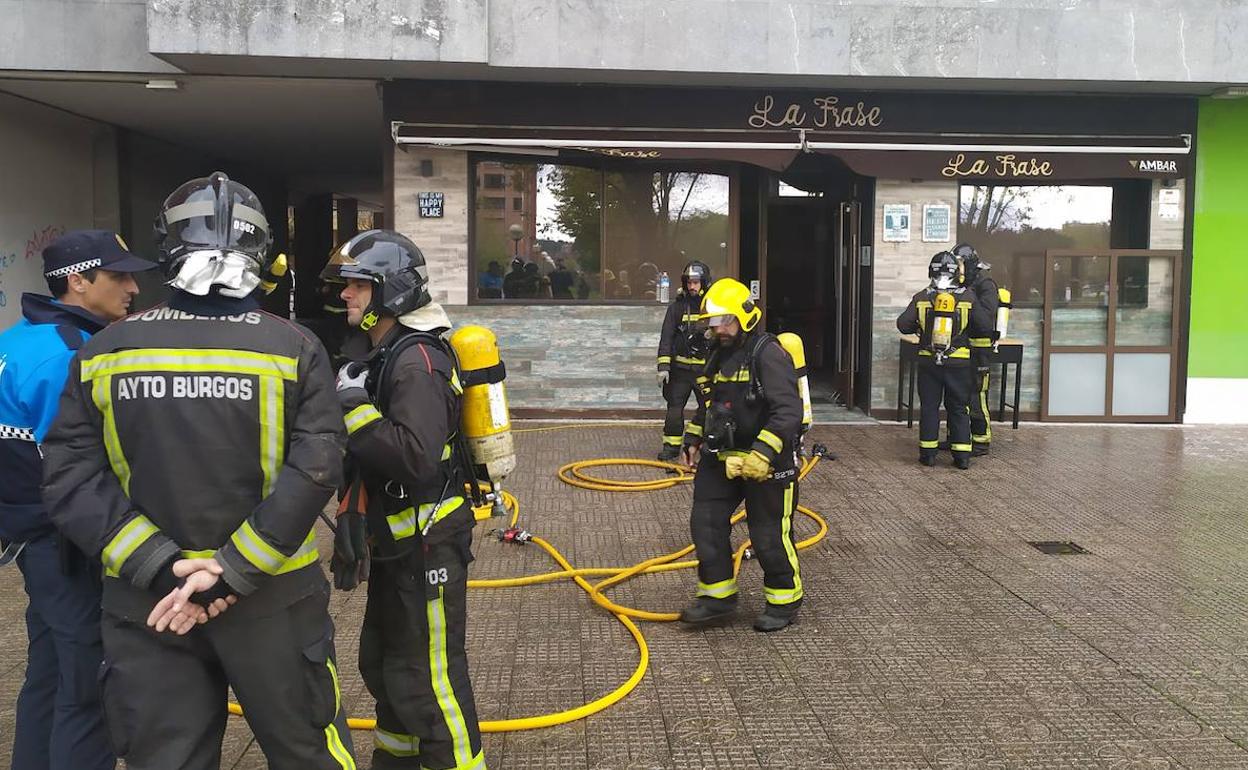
(196, 446)
(402, 402)
(743, 443)
(945, 315)
(975, 277)
(682, 353)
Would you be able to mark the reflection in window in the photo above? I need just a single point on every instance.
(1013, 226)
(583, 234)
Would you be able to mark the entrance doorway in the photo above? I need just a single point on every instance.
(817, 277)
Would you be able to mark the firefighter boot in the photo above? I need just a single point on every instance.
(669, 452)
(706, 610)
(776, 616)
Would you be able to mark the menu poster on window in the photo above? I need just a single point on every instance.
(936, 223)
(897, 222)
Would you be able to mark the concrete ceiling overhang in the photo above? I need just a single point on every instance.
(390, 69)
(307, 129)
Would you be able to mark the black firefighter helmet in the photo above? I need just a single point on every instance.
(695, 270)
(972, 264)
(392, 263)
(944, 271)
(212, 214)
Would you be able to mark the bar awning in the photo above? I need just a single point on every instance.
(968, 157)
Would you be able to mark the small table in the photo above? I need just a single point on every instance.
(1007, 352)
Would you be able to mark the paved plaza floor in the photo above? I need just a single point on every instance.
(932, 634)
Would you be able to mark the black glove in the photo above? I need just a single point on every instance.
(350, 561)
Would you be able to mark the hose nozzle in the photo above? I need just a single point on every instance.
(513, 535)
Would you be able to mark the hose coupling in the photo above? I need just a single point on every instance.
(513, 535)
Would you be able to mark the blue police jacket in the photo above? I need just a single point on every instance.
(34, 362)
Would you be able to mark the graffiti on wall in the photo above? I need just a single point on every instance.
(35, 244)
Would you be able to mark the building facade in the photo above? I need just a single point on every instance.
(554, 159)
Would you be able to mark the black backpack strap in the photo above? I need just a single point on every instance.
(756, 385)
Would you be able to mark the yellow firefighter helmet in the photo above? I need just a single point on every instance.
(729, 297)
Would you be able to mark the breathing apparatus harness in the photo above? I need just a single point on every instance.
(459, 470)
(719, 433)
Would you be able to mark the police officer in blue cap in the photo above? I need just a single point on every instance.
(59, 723)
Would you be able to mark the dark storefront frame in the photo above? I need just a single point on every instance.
(1118, 137)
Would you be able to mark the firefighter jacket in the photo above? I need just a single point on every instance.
(748, 401)
(969, 320)
(985, 291)
(681, 343)
(204, 427)
(34, 359)
(401, 436)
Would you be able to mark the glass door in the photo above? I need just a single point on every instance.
(1110, 336)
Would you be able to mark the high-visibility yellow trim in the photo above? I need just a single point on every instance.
(672, 440)
(981, 342)
(457, 387)
(396, 744)
(922, 308)
(693, 429)
(955, 353)
(408, 521)
(690, 361)
(268, 559)
(691, 317)
(135, 533)
(960, 447)
(332, 739)
(929, 444)
(983, 405)
(272, 430)
(439, 668)
(190, 360)
(665, 359)
(360, 416)
(102, 395)
(721, 590)
(770, 439)
(787, 595)
(741, 375)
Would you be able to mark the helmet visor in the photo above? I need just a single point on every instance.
(718, 320)
(341, 266)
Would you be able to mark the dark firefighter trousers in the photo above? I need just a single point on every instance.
(952, 385)
(412, 653)
(676, 393)
(165, 695)
(769, 515)
(981, 420)
(59, 722)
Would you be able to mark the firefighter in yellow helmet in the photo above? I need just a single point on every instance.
(945, 315)
(742, 441)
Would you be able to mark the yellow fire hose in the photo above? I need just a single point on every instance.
(573, 474)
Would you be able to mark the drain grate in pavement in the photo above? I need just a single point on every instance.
(1057, 547)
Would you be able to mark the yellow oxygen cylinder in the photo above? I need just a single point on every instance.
(484, 419)
(797, 351)
(1003, 314)
(942, 321)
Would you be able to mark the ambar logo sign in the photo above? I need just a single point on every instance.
(1156, 166)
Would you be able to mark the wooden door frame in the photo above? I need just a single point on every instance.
(1110, 347)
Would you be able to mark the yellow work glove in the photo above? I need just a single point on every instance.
(733, 465)
(755, 467)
